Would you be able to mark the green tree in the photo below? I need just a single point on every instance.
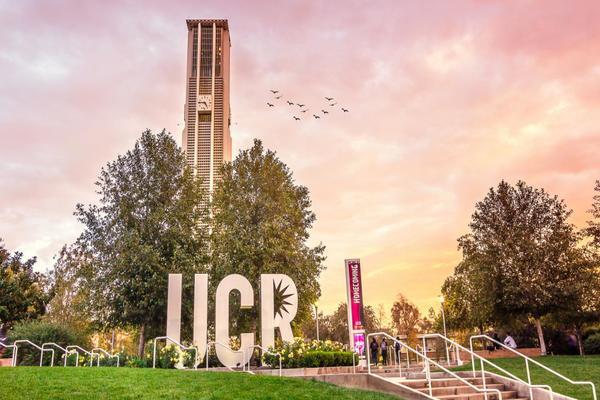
(405, 317)
(523, 249)
(334, 326)
(23, 292)
(593, 229)
(150, 221)
(261, 222)
(585, 308)
(69, 305)
(469, 296)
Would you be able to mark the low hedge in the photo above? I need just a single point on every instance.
(591, 345)
(38, 331)
(310, 359)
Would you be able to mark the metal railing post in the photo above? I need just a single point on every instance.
(472, 356)
(257, 346)
(176, 343)
(369, 358)
(42, 356)
(214, 343)
(16, 348)
(529, 378)
(427, 367)
(531, 360)
(107, 354)
(428, 361)
(10, 346)
(483, 379)
(154, 354)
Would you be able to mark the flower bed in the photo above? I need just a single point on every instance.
(303, 354)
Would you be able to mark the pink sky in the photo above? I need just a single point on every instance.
(446, 99)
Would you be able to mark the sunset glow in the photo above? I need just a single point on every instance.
(445, 99)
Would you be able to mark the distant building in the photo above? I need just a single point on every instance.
(206, 137)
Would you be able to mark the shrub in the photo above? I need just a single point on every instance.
(136, 362)
(298, 353)
(171, 356)
(40, 332)
(112, 361)
(592, 344)
(592, 330)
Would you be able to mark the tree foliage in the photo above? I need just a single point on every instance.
(40, 331)
(334, 326)
(593, 228)
(405, 317)
(69, 305)
(23, 292)
(469, 296)
(260, 224)
(150, 221)
(520, 258)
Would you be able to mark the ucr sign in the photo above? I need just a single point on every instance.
(273, 315)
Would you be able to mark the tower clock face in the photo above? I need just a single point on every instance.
(204, 102)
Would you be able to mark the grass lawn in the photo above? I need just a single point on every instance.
(573, 367)
(131, 383)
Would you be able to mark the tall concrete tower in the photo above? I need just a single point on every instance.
(206, 137)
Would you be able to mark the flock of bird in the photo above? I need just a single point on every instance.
(302, 107)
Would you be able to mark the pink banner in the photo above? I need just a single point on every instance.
(355, 298)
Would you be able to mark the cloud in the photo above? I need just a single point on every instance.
(446, 99)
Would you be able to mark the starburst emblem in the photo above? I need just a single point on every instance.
(281, 296)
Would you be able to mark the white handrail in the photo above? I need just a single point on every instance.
(459, 362)
(65, 351)
(483, 360)
(528, 360)
(428, 371)
(175, 342)
(257, 346)
(213, 343)
(76, 349)
(10, 346)
(16, 351)
(106, 353)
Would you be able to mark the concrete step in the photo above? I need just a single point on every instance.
(460, 389)
(443, 382)
(508, 394)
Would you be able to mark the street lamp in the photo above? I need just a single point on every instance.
(441, 298)
(317, 317)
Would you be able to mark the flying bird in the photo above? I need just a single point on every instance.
(296, 118)
(344, 109)
(278, 97)
(290, 103)
(305, 110)
(270, 105)
(333, 104)
(274, 91)
(300, 105)
(328, 98)
(325, 112)
(316, 116)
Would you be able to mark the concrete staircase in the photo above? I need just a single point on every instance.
(447, 387)
(450, 388)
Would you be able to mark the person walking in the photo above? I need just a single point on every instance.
(491, 346)
(397, 348)
(374, 347)
(497, 339)
(384, 348)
